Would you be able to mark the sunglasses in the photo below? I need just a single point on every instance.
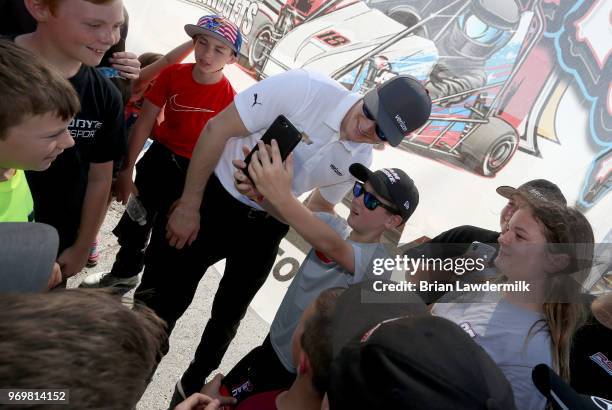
(369, 200)
(370, 117)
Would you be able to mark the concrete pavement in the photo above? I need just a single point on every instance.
(186, 334)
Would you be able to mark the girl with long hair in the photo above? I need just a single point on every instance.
(549, 248)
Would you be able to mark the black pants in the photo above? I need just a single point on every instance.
(246, 238)
(160, 177)
(259, 371)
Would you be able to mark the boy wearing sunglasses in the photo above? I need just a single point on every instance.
(342, 254)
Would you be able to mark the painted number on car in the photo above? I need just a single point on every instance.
(332, 38)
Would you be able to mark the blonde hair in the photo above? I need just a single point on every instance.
(567, 232)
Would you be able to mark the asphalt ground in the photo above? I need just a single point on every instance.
(189, 328)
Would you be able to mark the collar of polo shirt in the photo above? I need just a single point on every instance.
(335, 117)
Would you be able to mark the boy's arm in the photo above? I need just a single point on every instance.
(184, 221)
(74, 258)
(148, 73)
(273, 180)
(124, 185)
(127, 63)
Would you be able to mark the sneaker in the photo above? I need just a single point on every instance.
(105, 279)
(92, 259)
(178, 396)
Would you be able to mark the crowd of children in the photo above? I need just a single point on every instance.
(336, 342)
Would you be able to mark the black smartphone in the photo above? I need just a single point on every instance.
(481, 250)
(285, 134)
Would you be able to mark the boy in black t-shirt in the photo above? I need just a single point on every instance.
(73, 35)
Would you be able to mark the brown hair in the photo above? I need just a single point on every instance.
(52, 4)
(568, 232)
(30, 87)
(317, 336)
(84, 340)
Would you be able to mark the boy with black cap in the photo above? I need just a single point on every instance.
(190, 95)
(343, 253)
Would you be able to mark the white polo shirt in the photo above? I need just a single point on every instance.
(316, 105)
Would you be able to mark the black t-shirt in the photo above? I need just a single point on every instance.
(449, 244)
(454, 242)
(99, 134)
(15, 18)
(591, 360)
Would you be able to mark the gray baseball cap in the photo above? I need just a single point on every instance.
(535, 190)
(27, 255)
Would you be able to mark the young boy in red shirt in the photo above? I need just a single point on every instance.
(189, 94)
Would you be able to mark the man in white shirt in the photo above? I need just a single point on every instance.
(341, 128)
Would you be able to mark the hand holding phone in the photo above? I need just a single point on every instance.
(286, 136)
(479, 250)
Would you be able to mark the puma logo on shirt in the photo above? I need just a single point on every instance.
(255, 101)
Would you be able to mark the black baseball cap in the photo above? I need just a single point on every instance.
(562, 396)
(391, 184)
(399, 105)
(27, 255)
(364, 305)
(535, 190)
(410, 360)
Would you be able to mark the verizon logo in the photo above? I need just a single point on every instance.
(401, 123)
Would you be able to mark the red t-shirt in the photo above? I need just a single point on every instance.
(187, 106)
(260, 401)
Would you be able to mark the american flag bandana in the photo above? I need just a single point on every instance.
(223, 27)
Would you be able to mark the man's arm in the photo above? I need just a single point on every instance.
(124, 185)
(273, 180)
(316, 203)
(184, 221)
(74, 258)
(148, 73)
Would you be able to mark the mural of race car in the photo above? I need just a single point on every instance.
(361, 46)
(495, 68)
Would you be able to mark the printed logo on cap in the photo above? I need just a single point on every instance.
(391, 174)
(602, 403)
(467, 327)
(602, 361)
(537, 194)
(407, 204)
(220, 25)
(401, 123)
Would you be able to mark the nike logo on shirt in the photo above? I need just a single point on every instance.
(175, 106)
